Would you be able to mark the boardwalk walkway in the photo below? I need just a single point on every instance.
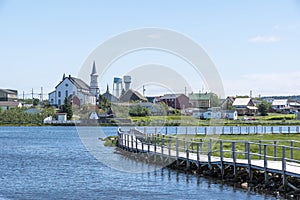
(269, 157)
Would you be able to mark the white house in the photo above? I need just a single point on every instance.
(78, 92)
(280, 105)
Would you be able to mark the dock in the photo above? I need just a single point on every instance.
(270, 158)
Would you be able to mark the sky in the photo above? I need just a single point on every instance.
(254, 45)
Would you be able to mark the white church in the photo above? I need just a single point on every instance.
(76, 90)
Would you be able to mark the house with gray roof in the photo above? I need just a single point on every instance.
(244, 106)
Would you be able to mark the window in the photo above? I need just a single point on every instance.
(52, 101)
(66, 84)
(59, 94)
(66, 93)
(59, 101)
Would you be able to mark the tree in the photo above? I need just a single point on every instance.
(67, 108)
(263, 108)
(35, 102)
(214, 99)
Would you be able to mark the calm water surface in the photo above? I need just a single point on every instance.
(52, 163)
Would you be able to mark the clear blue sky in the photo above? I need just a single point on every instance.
(255, 45)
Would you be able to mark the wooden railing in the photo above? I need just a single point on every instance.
(267, 155)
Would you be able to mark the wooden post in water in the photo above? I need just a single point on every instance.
(162, 147)
(265, 163)
(187, 159)
(196, 130)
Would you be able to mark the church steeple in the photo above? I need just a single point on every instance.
(94, 69)
(94, 89)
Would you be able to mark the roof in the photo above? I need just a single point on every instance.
(79, 83)
(94, 72)
(170, 96)
(9, 103)
(279, 102)
(241, 101)
(9, 91)
(199, 96)
(129, 93)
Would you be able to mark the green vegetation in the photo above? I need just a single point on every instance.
(138, 110)
(266, 139)
(264, 108)
(18, 116)
(67, 108)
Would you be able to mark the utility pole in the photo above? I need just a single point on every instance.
(23, 95)
(144, 90)
(32, 95)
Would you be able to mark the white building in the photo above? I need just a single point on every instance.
(78, 92)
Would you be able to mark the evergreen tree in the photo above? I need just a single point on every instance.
(67, 108)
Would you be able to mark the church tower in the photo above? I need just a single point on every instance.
(94, 89)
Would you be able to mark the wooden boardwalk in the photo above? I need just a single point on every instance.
(213, 153)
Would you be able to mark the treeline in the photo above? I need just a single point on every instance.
(19, 116)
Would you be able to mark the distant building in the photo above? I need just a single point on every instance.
(6, 105)
(8, 95)
(176, 101)
(132, 95)
(111, 98)
(76, 90)
(244, 106)
(199, 100)
(280, 105)
(227, 103)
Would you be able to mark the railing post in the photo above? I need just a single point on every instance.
(221, 158)
(127, 141)
(162, 146)
(136, 144)
(186, 130)
(209, 152)
(198, 157)
(177, 153)
(233, 157)
(265, 163)
(169, 147)
(154, 143)
(196, 130)
(283, 167)
(291, 150)
(131, 138)
(148, 143)
(275, 150)
(249, 160)
(201, 146)
(259, 148)
(245, 150)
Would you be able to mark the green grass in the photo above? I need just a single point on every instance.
(266, 139)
